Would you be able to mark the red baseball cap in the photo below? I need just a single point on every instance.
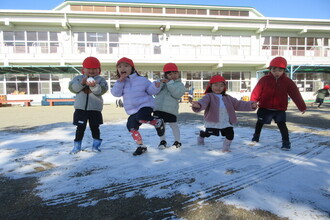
(169, 67)
(214, 79)
(126, 60)
(92, 62)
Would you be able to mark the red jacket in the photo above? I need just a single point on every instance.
(273, 94)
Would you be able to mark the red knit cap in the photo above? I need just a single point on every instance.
(169, 67)
(326, 87)
(126, 60)
(91, 62)
(214, 79)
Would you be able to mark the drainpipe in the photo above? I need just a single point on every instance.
(66, 25)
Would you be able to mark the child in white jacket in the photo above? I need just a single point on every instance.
(138, 101)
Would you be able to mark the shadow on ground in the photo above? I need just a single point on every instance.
(20, 202)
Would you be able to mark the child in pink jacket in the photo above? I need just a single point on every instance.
(219, 114)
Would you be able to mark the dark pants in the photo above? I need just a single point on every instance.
(227, 132)
(265, 116)
(80, 119)
(133, 121)
(167, 117)
(320, 101)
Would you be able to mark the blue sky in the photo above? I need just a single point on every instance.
(314, 9)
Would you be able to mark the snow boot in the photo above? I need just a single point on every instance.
(160, 127)
(255, 137)
(177, 144)
(96, 145)
(140, 150)
(226, 145)
(76, 147)
(162, 145)
(200, 140)
(286, 145)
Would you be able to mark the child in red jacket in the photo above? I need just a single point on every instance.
(271, 93)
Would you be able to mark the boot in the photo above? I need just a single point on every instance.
(286, 145)
(255, 137)
(162, 145)
(96, 145)
(76, 147)
(140, 150)
(226, 145)
(177, 144)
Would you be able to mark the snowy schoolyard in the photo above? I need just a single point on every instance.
(293, 184)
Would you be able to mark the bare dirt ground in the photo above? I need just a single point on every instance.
(17, 118)
(18, 200)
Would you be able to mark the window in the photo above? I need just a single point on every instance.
(110, 9)
(114, 37)
(11, 87)
(31, 41)
(208, 75)
(230, 45)
(124, 44)
(99, 8)
(146, 10)
(155, 38)
(292, 46)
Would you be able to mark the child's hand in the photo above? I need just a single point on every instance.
(157, 84)
(164, 80)
(195, 104)
(123, 76)
(91, 84)
(83, 81)
(254, 105)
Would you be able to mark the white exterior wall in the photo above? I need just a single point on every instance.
(69, 22)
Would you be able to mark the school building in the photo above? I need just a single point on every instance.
(42, 50)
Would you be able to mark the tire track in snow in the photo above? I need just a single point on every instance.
(227, 188)
(135, 185)
(165, 180)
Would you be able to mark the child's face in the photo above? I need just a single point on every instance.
(277, 71)
(218, 87)
(173, 75)
(124, 68)
(91, 72)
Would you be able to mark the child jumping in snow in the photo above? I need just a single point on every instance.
(167, 102)
(88, 104)
(271, 93)
(138, 102)
(219, 114)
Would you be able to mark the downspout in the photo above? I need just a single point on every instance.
(67, 26)
(67, 22)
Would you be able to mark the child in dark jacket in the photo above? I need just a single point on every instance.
(88, 104)
(271, 93)
(219, 114)
(320, 95)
